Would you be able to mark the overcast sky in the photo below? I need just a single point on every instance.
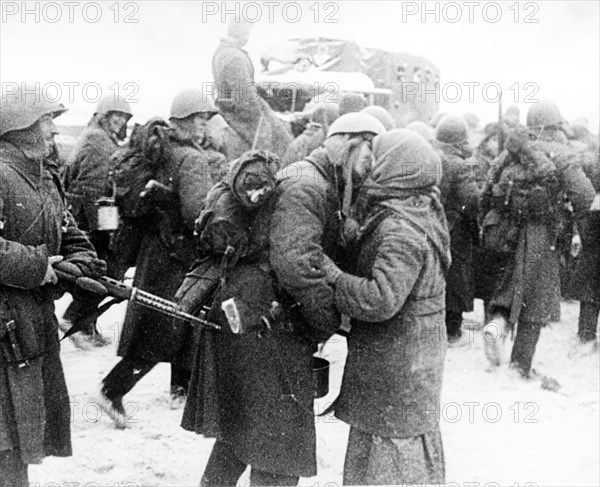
(170, 46)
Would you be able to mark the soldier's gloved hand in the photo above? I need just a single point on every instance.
(50, 276)
(89, 266)
(575, 245)
(331, 271)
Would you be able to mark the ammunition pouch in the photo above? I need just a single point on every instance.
(533, 204)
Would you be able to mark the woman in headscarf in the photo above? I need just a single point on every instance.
(392, 381)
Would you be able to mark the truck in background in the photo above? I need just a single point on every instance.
(299, 70)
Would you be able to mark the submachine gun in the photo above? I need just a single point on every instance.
(104, 286)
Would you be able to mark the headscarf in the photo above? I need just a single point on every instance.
(405, 165)
(405, 160)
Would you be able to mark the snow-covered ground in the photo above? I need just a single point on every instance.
(497, 428)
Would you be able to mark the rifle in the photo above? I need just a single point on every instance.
(105, 286)
(501, 141)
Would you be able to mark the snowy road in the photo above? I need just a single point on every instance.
(497, 428)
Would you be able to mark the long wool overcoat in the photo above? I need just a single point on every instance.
(34, 403)
(526, 282)
(460, 197)
(166, 253)
(256, 392)
(240, 104)
(586, 282)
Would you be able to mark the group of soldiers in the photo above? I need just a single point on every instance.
(273, 238)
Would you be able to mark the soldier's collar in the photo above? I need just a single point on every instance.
(28, 167)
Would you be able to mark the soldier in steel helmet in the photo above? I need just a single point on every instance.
(166, 252)
(436, 117)
(86, 180)
(307, 221)
(351, 102)
(36, 230)
(382, 115)
(423, 129)
(522, 227)
(474, 136)
(460, 197)
(512, 116)
(581, 135)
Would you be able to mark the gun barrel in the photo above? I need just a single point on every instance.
(116, 289)
(122, 292)
(168, 307)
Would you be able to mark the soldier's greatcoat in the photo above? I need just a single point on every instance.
(460, 197)
(87, 176)
(256, 393)
(243, 109)
(166, 253)
(586, 282)
(528, 284)
(34, 403)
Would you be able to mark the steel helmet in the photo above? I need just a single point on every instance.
(544, 113)
(472, 120)
(380, 114)
(426, 131)
(435, 119)
(25, 107)
(356, 123)
(451, 130)
(351, 102)
(112, 103)
(192, 101)
(513, 114)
